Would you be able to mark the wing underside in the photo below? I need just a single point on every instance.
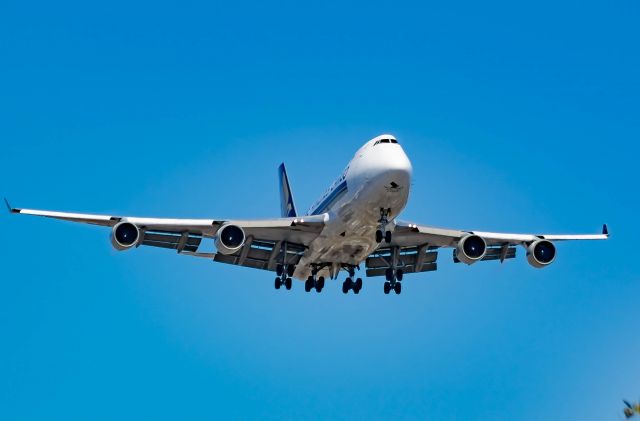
(268, 242)
(414, 247)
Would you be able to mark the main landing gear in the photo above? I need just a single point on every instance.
(284, 272)
(350, 284)
(314, 281)
(394, 277)
(382, 232)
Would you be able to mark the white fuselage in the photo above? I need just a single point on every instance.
(378, 177)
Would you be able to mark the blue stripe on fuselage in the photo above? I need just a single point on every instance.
(330, 199)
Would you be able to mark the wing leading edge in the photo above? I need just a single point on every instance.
(407, 234)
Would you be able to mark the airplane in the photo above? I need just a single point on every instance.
(353, 224)
(631, 410)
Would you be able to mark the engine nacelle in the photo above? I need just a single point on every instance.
(541, 253)
(471, 249)
(230, 239)
(124, 236)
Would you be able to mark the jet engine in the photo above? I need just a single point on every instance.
(541, 253)
(230, 239)
(124, 236)
(471, 249)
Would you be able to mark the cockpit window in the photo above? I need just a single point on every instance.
(385, 141)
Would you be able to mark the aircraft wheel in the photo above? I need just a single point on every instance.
(397, 288)
(279, 270)
(288, 283)
(389, 274)
(358, 285)
(379, 236)
(308, 285)
(278, 283)
(399, 274)
(387, 287)
(320, 284)
(347, 285)
(387, 237)
(290, 270)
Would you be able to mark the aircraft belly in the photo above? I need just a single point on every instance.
(349, 236)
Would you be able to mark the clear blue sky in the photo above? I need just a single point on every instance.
(517, 117)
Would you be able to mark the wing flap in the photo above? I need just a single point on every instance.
(185, 241)
(262, 254)
(409, 259)
(494, 253)
(371, 273)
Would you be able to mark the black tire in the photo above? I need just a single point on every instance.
(278, 283)
(399, 274)
(320, 283)
(345, 287)
(279, 270)
(358, 284)
(387, 237)
(389, 274)
(398, 288)
(387, 287)
(288, 283)
(290, 270)
(308, 285)
(379, 236)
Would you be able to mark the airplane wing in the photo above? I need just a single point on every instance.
(267, 241)
(414, 247)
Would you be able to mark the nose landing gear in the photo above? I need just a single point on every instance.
(382, 232)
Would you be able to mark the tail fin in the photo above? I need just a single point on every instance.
(287, 207)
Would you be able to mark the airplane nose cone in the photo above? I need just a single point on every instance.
(392, 167)
(397, 163)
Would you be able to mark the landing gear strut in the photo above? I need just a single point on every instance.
(382, 232)
(285, 272)
(393, 275)
(350, 284)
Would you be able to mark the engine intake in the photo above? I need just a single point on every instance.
(471, 249)
(230, 239)
(124, 236)
(541, 253)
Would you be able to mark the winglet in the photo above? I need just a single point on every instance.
(605, 230)
(11, 210)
